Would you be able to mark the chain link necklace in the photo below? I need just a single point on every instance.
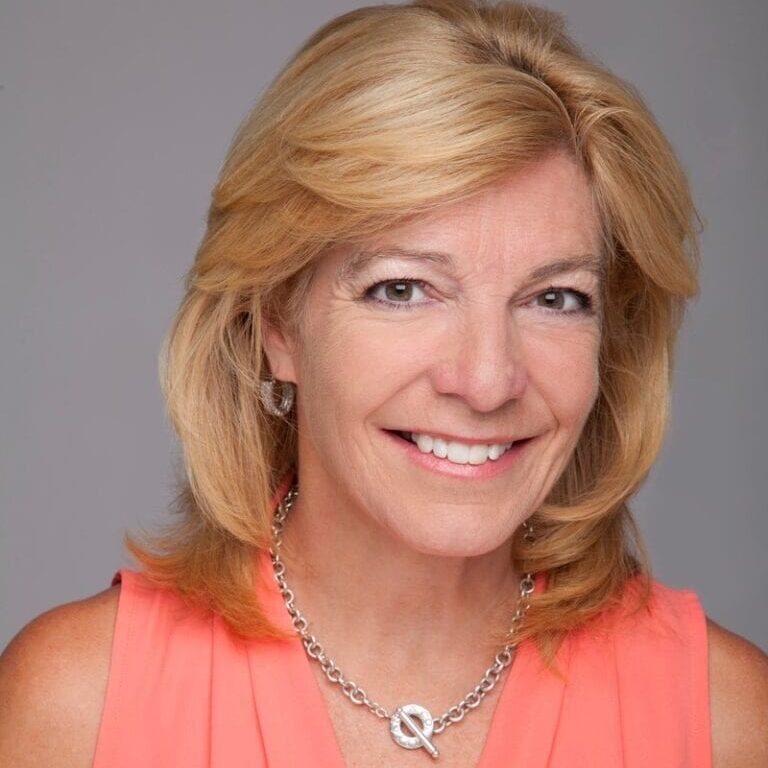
(405, 717)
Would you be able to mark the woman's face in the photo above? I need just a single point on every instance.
(477, 324)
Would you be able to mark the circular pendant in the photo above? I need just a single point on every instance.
(418, 721)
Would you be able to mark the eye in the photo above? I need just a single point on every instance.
(565, 301)
(395, 294)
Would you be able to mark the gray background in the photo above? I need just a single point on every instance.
(115, 120)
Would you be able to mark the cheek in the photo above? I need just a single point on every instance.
(373, 349)
(353, 363)
(564, 369)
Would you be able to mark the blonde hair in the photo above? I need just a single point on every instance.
(386, 112)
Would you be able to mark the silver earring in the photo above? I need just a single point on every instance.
(528, 535)
(267, 392)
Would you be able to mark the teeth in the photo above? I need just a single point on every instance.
(495, 451)
(458, 453)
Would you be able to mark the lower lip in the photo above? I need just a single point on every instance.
(468, 471)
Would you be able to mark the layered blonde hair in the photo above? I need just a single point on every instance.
(388, 112)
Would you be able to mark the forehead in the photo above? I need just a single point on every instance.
(543, 212)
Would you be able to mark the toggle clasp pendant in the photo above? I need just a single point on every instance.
(421, 730)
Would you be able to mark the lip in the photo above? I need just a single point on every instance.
(440, 466)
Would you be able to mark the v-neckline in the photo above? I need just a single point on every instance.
(521, 731)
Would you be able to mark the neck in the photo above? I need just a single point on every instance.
(365, 593)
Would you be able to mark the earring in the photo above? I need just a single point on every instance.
(267, 392)
(528, 535)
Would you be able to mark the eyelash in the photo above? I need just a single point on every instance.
(585, 300)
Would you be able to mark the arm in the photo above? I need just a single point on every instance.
(53, 679)
(738, 684)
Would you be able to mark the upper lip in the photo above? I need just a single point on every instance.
(459, 439)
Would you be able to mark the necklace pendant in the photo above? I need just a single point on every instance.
(418, 721)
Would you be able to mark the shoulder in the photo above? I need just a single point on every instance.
(53, 679)
(738, 677)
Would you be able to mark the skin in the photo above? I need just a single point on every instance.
(484, 351)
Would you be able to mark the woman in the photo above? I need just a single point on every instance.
(422, 364)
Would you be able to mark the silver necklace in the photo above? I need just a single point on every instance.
(406, 714)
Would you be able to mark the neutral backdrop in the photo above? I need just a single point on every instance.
(115, 119)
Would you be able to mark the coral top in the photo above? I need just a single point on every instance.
(183, 692)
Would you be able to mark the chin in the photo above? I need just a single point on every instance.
(451, 540)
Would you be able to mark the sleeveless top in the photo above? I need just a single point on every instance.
(182, 690)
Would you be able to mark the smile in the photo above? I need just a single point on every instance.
(458, 452)
(479, 460)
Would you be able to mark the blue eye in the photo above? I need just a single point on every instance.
(396, 294)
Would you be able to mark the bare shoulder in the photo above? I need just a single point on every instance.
(53, 679)
(738, 682)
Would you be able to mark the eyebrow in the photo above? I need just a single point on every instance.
(362, 259)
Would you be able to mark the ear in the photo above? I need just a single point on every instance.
(281, 351)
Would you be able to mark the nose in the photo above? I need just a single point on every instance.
(484, 360)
